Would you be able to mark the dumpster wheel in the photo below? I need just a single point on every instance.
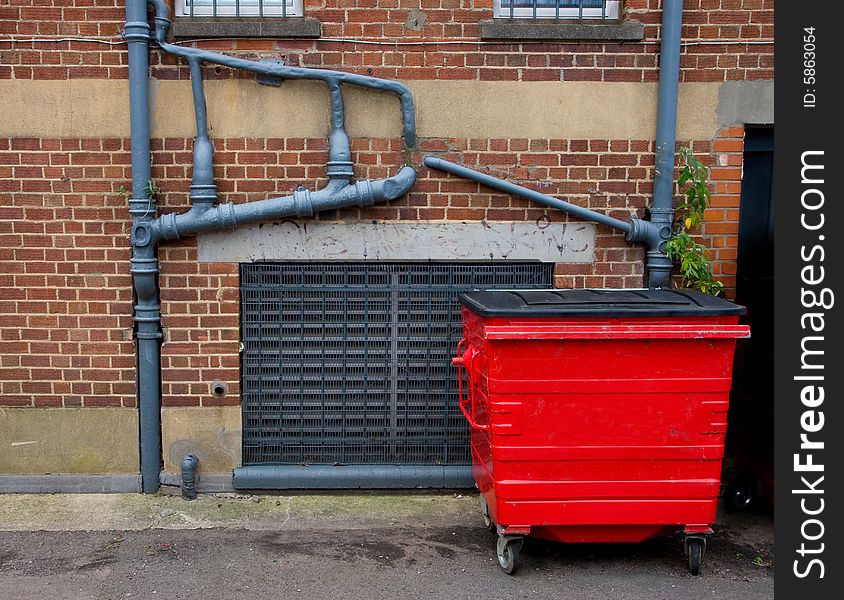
(695, 548)
(508, 549)
(488, 522)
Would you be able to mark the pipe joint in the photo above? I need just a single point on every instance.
(136, 31)
(302, 203)
(340, 169)
(168, 228)
(364, 194)
(143, 266)
(228, 220)
(148, 335)
(140, 208)
(203, 195)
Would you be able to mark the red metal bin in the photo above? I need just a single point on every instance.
(597, 415)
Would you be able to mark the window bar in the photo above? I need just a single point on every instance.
(213, 8)
(557, 9)
(512, 8)
(191, 7)
(603, 10)
(283, 8)
(534, 3)
(260, 8)
(580, 10)
(237, 8)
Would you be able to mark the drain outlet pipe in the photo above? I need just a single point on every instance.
(205, 214)
(189, 464)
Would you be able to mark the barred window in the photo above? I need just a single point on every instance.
(557, 9)
(239, 8)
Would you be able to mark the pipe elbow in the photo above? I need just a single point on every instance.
(396, 186)
(161, 8)
(162, 19)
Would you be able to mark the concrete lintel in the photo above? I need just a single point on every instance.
(403, 240)
(225, 27)
(553, 29)
(746, 102)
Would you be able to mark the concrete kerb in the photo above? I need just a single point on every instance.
(135, 512)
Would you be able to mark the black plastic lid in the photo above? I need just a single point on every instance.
(598, 303)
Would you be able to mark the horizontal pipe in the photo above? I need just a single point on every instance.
(325, 477)
(517, 190)
(302, 203)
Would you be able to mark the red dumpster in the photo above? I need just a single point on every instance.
(597, 415)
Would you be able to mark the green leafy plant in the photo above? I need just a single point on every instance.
(152, 190)
(688, 254)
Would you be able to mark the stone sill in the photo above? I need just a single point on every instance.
(245, 27)
(552, 29)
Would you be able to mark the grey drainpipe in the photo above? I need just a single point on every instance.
(205, 213)
(662, 211)
(144, 264)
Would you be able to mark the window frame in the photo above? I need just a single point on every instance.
(237, 9)
(612, 11)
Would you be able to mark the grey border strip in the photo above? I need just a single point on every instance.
(364, 477)
(205, 482)
(69, 484)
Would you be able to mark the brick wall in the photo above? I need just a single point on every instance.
(65, 288)
(451, 20)
(65, 313)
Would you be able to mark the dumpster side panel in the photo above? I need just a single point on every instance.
(608, 438)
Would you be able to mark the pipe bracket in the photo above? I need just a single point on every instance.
(267, 79)
(148, 335)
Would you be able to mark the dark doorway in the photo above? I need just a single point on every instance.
(751, 430)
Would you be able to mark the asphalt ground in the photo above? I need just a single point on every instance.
(342, 546)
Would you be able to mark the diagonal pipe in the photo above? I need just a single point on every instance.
(656, 231)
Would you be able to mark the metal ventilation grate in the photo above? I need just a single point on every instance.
(350, 363)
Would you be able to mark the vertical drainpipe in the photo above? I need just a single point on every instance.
(144, 263)
(662, 212)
